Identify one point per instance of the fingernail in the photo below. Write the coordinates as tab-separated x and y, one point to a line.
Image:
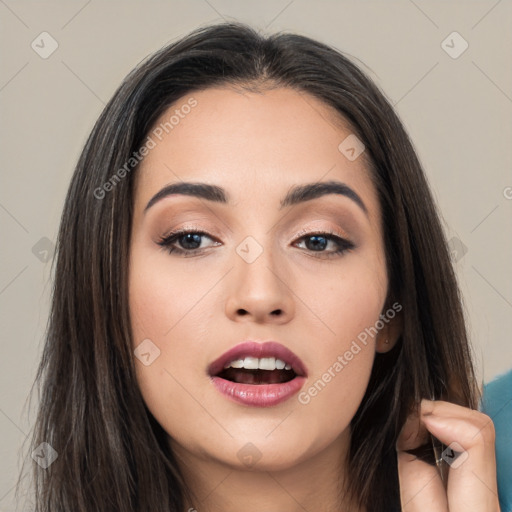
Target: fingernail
427	407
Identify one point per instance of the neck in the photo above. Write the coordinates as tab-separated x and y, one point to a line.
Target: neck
315	483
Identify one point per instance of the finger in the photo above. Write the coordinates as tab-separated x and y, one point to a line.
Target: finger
469	436
421	487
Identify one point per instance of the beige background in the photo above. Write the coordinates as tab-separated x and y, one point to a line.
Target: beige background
458	112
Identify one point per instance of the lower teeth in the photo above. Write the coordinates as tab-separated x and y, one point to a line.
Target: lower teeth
242	376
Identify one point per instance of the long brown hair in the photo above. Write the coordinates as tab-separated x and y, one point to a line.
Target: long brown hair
112	454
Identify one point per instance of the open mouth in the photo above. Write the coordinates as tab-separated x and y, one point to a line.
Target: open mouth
258	374
251	370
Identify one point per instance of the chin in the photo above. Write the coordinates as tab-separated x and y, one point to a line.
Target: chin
271	452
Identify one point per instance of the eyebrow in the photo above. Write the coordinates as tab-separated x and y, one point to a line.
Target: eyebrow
297	194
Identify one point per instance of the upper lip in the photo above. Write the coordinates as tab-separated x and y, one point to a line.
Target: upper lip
259	350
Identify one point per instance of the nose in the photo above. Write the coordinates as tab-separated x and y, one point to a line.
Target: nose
260	291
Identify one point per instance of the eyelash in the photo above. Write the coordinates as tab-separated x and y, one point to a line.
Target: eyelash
167	241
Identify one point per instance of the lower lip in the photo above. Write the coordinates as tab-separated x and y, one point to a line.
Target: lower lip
259	395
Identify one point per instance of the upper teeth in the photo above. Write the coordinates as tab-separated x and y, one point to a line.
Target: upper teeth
254	363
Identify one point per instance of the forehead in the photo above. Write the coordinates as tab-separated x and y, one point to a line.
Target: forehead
251	143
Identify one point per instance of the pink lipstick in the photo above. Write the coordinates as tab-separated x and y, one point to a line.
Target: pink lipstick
258	374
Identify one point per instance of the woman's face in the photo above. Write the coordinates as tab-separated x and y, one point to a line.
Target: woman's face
258	272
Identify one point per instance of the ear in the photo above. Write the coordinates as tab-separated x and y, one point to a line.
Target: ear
392	321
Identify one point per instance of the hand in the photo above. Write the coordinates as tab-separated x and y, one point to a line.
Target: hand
472	484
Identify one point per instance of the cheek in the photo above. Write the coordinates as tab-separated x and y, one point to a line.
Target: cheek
163	295
347	298
170	306
344	354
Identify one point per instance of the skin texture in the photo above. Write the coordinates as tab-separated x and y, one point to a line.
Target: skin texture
196	306
472	483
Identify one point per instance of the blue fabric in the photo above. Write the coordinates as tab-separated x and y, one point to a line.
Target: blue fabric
497	404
